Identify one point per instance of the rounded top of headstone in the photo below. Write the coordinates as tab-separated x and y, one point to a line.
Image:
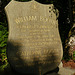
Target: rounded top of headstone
14	0
33	0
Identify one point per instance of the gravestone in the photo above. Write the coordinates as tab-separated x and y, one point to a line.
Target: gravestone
34	45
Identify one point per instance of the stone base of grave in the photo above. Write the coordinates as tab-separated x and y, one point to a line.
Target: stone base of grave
63	71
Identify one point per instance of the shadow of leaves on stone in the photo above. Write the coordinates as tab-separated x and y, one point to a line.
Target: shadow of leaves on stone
21	66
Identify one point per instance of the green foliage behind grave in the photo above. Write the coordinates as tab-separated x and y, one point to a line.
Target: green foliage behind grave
3	36
3	44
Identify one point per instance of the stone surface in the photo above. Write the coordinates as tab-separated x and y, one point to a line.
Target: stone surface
34	44
60	65
66	71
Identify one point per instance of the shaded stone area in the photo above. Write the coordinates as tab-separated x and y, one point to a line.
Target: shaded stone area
9	71
57	71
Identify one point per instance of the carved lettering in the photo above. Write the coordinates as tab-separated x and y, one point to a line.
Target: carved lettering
34	18
26	18
46	27
44	19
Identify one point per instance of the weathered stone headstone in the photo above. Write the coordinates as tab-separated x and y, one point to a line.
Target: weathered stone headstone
34	44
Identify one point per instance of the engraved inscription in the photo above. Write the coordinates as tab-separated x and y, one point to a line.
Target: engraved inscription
33	40
26	18
34	18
